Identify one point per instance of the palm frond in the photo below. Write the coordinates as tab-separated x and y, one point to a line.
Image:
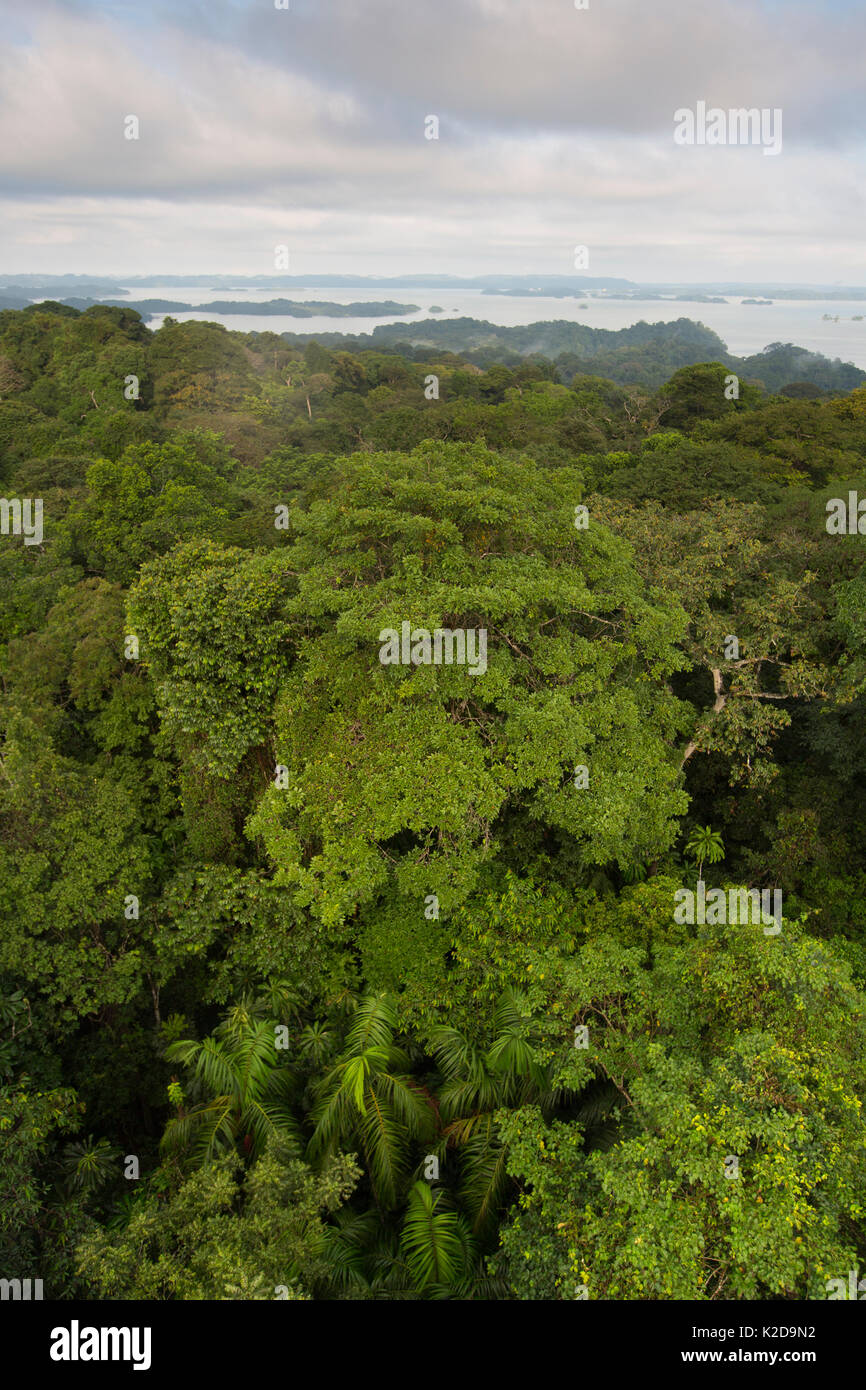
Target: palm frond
485	1182
411	1106
386	1144
455	1054
374	1024
433	1243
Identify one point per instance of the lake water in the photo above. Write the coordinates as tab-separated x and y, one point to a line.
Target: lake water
745	328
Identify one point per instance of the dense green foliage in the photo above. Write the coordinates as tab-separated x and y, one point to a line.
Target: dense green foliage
322	977
644	353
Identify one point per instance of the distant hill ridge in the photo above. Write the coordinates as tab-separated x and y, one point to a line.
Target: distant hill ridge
645	353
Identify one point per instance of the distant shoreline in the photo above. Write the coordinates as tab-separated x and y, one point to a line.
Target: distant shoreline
283	308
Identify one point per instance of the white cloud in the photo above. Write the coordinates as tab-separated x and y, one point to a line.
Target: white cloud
260	126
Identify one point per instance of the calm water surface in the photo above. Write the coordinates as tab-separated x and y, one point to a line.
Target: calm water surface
745	328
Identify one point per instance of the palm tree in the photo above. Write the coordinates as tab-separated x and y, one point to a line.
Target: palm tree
478	1083
436	1243
243	1084
88	1164
705	844
433	1255
315	1043
368	1097
634	873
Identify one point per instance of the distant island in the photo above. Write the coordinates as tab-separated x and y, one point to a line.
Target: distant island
524	292
757	301
645	296
288	308
41	286
577	292
645	353
641	296
435	309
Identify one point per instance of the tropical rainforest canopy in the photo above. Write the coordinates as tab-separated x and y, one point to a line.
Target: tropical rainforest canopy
324	978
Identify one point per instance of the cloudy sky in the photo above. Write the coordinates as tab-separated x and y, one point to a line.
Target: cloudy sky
306	127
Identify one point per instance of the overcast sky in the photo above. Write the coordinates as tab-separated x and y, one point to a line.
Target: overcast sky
305	127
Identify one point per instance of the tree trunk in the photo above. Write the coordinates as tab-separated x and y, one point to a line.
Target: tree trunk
718	706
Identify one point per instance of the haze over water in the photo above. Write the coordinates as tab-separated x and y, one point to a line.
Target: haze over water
744	328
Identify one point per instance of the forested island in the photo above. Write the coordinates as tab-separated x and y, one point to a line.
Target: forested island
577	292
291	308
329	977
645	353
